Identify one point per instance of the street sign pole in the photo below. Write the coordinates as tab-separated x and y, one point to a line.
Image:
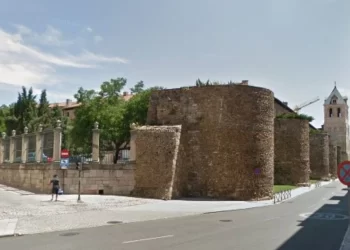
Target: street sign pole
79	199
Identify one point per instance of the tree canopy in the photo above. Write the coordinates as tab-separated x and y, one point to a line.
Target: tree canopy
106	106
111	111
27	112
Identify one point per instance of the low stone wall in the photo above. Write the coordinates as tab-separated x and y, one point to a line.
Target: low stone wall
333	160
156	153
319	156
292	158
95	179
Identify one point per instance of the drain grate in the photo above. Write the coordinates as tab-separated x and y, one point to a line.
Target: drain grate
114	222
69	234
226	220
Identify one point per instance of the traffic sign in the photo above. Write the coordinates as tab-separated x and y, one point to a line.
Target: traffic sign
64	153
344	172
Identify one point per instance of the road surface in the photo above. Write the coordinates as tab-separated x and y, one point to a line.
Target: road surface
287	226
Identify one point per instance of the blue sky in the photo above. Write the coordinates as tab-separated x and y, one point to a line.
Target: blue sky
297	48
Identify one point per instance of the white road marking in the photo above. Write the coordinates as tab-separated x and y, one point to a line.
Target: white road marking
147	239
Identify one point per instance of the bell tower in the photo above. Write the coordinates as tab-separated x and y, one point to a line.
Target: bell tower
336	121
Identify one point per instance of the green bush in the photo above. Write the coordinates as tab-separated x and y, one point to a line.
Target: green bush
295	116
315	131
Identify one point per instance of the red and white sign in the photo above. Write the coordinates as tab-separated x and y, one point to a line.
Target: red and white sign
64	153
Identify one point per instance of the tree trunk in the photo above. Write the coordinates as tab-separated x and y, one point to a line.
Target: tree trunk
117	150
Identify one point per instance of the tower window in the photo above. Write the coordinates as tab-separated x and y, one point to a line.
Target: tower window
330	112
334	101
339	113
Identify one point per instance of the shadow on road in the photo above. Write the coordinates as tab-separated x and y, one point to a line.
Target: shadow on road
323	229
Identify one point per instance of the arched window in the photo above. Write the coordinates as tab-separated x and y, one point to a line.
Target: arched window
338	112
330	112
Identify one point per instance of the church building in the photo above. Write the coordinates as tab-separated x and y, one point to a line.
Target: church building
336	121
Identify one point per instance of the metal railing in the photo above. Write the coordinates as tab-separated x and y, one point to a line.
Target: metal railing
318	184
282	195
31	147
47	145
18	149
108	157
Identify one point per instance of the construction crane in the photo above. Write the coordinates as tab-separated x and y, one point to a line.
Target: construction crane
305	104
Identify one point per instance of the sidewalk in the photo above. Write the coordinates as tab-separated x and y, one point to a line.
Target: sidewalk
37	214
7	227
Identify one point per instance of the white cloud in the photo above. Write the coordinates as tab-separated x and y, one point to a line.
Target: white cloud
22	64
88	29
98	39
50	36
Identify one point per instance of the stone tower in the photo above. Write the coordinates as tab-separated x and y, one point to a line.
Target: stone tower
336	121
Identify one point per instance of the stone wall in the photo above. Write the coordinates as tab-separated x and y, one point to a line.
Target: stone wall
319	156
292	158
156	153
333	160
216	159
338	155
95	179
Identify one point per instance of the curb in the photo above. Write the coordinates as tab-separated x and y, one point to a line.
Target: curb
10	235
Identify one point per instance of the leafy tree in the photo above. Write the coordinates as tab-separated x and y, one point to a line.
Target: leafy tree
44	106
4	112
22	112
27	112
139	87
84	95
113	114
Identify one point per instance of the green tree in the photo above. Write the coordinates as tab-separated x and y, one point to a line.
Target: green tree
4	112
139	87
113	114
22	112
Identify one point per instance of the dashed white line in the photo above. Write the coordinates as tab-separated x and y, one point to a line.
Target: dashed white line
147	239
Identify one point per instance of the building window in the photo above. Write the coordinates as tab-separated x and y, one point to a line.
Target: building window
330	112
334	101
67	114
339	113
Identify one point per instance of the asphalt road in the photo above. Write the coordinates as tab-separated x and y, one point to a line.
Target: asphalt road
279	227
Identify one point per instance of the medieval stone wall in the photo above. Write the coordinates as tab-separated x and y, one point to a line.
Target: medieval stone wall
226	147
338	155
319	156
292	158
333	160
156	153
95	179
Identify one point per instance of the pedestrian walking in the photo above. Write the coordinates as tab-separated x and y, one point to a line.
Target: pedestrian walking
55	182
